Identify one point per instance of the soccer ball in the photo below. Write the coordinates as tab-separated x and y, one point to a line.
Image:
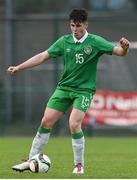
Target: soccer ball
40	163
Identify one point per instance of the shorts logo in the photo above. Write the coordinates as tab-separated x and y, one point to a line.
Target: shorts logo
88	50
85	102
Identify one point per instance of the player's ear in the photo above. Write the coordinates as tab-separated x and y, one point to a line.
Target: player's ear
86	24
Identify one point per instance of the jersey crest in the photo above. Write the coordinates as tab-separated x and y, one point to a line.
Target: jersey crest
88	50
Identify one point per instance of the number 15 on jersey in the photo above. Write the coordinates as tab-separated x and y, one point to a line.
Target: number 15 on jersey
79	58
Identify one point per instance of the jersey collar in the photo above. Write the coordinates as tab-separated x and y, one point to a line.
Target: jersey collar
82	39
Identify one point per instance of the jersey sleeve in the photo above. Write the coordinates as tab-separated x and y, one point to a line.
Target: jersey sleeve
56	49
106	47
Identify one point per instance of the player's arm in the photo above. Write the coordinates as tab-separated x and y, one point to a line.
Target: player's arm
34	61
123	47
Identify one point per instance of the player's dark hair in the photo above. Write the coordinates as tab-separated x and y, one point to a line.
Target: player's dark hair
78	15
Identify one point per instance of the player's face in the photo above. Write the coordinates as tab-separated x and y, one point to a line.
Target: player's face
78	28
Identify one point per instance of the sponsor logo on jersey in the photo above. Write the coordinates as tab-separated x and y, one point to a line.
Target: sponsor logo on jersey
68	50
88	50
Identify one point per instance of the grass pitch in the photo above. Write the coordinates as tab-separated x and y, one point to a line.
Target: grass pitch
105	158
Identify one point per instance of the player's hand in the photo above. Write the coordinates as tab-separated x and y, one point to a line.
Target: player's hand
124	43
12	69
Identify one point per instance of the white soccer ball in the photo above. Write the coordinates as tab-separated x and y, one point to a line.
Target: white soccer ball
40	163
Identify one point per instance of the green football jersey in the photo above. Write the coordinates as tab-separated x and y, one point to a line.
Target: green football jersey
80	60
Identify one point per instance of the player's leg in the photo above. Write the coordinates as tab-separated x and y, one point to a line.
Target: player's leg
57	105
80	105
78	141
42	136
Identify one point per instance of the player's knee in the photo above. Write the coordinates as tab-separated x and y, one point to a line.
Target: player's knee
75	127
46	122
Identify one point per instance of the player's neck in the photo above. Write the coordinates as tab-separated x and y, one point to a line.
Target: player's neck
82	38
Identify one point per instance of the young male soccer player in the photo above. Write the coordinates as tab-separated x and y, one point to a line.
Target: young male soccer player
80	51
